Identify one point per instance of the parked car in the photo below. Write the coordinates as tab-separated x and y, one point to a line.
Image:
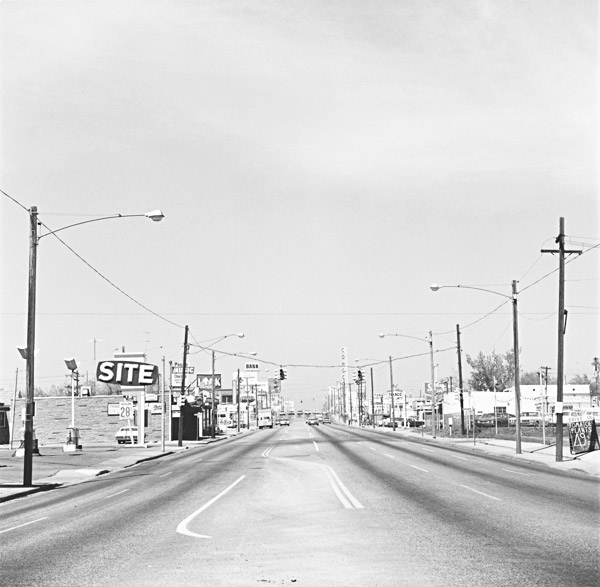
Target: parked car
488	420
312	421
527	419
126	433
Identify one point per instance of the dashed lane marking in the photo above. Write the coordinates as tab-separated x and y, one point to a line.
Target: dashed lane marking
481	493
23	525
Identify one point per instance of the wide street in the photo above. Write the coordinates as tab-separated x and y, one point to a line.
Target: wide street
313	506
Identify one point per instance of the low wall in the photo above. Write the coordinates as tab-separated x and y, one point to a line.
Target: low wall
96	426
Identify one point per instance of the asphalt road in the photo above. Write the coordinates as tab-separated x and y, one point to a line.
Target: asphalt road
311	506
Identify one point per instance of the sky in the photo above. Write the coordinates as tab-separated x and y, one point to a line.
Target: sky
319	165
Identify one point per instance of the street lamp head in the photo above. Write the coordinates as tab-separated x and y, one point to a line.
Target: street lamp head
240	335
155	215
71	364
22	351
381	335
435	287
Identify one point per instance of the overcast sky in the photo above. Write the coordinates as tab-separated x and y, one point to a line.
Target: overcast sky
319	164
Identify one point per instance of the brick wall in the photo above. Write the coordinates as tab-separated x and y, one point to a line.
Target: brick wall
53	417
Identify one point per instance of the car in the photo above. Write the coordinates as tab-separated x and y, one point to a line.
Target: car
326	420
300	413
312	421
527	419
284	421
490	419
126	434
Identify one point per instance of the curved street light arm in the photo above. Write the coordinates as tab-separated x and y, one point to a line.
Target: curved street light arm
155	215
436	287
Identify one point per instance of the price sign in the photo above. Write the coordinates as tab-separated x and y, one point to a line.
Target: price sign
125	410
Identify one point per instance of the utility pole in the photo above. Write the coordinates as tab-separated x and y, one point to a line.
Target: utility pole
560	239
392	392
596	365
185	351
517	368
28	443
460	381
238	401
372	400
213	414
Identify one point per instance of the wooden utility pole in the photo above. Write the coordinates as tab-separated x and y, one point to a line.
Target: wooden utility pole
392	392
560	239
460	381
185	350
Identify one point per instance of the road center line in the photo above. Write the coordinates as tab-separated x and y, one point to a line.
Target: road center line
182	526
461	458
419	468
115	494
480	493
165	474
22	525
340	490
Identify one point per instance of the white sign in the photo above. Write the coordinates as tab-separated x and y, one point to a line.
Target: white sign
252	367
126	411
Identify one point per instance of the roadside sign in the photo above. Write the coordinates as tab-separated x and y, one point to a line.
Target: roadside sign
127	373
125	410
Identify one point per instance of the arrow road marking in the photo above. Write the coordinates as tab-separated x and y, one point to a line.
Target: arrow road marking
182	526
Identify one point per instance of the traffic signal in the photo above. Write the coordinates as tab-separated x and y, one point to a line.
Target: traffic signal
360	375
282	374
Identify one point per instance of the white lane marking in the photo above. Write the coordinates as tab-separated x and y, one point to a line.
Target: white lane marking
419	468
182	526
370	447
461	458
22	525
165	474
197	461
387	455
266	452
517	472
340	490
316	447
428	449
115	494
480	492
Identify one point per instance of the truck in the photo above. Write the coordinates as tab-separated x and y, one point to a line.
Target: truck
265	419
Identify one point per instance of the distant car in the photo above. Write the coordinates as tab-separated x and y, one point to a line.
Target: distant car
283	421
126	433
326	420
312	421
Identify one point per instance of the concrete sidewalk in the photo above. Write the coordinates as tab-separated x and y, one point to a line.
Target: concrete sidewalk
52	467
531	452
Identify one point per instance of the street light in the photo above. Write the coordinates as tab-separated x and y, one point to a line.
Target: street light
34	239
513	297
73	438
432	369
